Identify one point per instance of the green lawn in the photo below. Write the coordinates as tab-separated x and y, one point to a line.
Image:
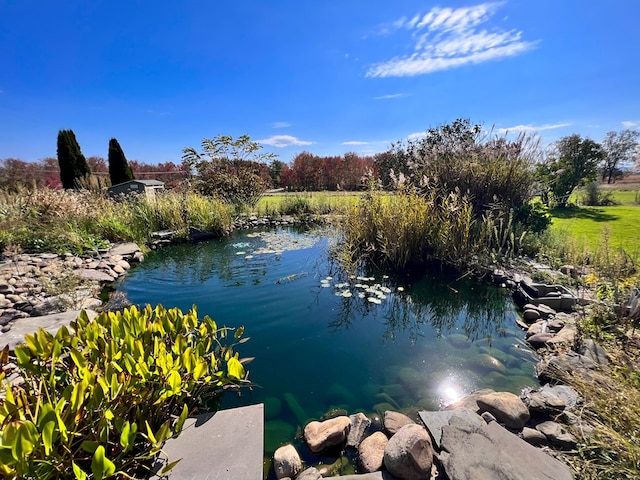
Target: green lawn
591	224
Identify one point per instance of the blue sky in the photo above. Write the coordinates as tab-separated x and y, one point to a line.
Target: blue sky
324	76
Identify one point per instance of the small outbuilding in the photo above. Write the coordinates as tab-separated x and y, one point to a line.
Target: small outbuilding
146	187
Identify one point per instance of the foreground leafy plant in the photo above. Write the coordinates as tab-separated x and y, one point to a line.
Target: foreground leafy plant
104	400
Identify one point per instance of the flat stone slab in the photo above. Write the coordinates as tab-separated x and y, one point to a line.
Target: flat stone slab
434	421
492	452
225	445
124	249
51	323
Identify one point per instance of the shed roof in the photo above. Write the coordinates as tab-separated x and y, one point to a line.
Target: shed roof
148	183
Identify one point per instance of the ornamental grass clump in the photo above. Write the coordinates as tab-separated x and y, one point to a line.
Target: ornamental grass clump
102	401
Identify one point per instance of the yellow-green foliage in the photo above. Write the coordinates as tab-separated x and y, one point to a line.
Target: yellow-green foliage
407	229
103	400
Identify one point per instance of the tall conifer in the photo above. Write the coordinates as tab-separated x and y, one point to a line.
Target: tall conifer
119	169
73	165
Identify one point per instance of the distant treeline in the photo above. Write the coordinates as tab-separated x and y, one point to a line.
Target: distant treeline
16	173
307	172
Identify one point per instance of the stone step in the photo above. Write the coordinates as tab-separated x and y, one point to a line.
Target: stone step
227	444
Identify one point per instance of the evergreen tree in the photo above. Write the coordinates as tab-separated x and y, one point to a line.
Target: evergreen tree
119	169
73	165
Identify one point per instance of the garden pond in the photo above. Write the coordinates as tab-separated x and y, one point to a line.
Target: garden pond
323	339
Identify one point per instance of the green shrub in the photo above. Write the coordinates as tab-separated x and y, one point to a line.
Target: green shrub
534	216
103	401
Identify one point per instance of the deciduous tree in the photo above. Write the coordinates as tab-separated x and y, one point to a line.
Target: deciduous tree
618	148
573	162
233	170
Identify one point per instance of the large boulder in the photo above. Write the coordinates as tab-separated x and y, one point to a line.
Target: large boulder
506	407
286	462
371	451
469	402
322	435
408	454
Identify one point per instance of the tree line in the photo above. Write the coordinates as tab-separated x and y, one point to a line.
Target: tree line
236	170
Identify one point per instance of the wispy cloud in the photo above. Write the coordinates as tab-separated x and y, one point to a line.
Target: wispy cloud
532	128
355	142
280	125
283	141
391	96
447	38
630	124
416	135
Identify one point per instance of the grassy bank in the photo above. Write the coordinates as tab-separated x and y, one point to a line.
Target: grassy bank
292	203
58	221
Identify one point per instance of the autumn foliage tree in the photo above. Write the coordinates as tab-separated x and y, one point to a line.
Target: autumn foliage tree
73	165
119	169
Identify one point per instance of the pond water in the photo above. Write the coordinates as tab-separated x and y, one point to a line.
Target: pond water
324	340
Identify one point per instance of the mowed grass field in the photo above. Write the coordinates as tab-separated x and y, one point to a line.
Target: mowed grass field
619	224
585	225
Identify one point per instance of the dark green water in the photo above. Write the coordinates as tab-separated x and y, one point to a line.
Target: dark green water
425	346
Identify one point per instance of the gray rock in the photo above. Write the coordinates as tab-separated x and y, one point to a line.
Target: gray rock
530	315
541	326
491	452
566	336
470	401
310	473
506	407
359	425
51	323
394	421
594	352
534	437
434	421
286	462
96	275
371	451
539	340
126	250
557	435
550	368
486	363
408	454
322	435
550	399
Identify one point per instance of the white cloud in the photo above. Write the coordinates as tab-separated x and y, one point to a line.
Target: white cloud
355	142
391	96
416	135
630	124
448	38
283	141
532	128
280	125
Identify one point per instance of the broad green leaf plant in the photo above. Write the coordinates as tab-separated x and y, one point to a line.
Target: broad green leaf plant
101	401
